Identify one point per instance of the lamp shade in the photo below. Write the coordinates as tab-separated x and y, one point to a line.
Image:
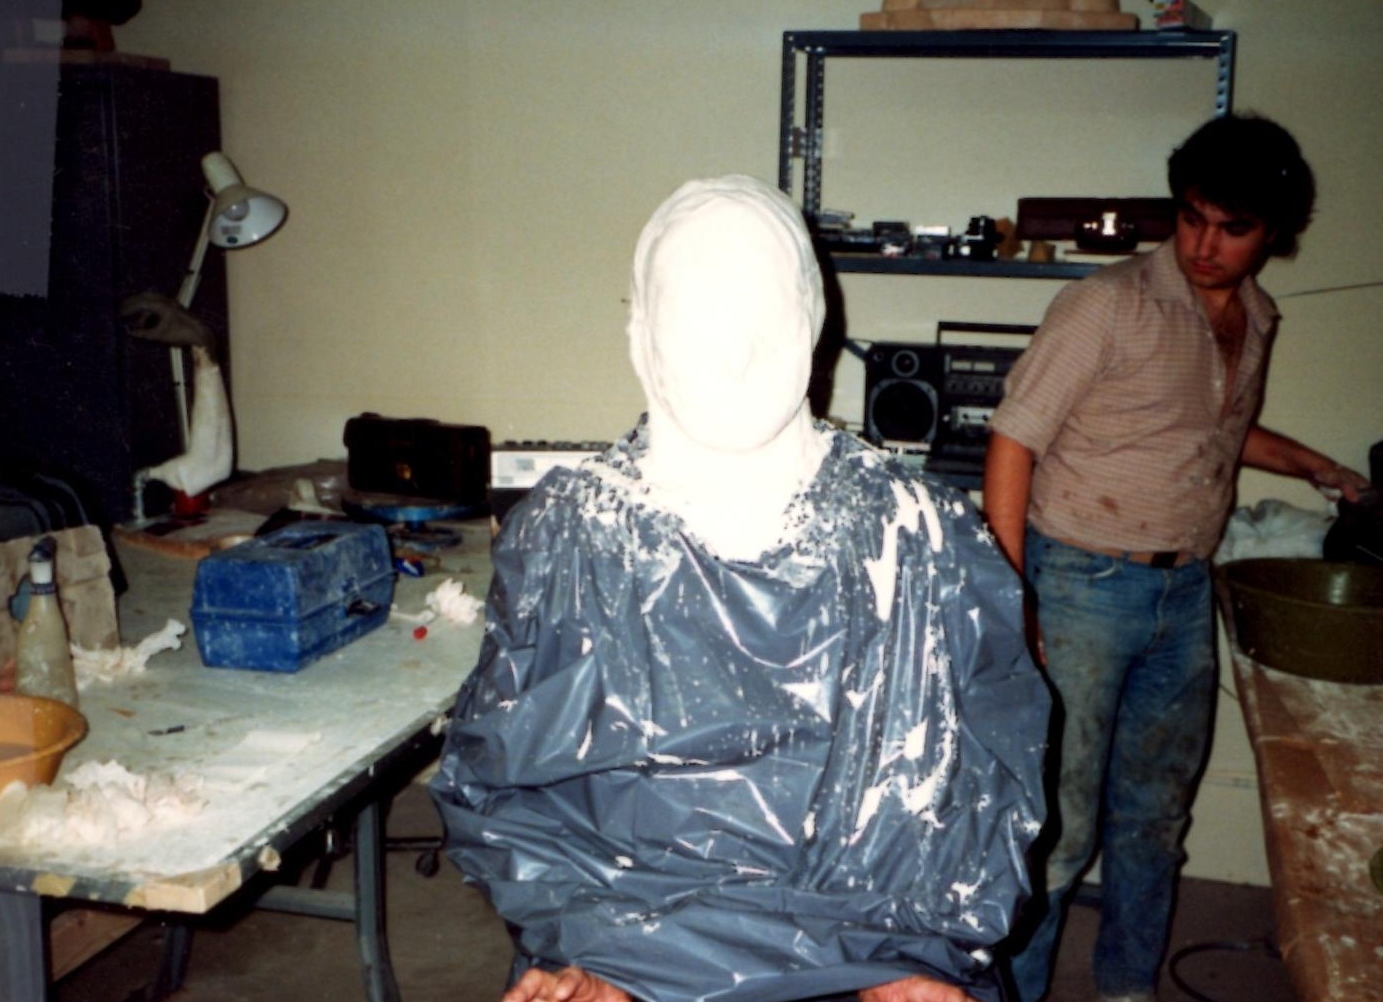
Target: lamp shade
240	215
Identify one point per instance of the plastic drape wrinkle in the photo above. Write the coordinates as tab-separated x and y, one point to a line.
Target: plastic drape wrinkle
735	781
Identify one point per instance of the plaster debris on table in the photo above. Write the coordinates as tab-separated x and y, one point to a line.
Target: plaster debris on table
107	666
250	761
97	804
449	601
276	743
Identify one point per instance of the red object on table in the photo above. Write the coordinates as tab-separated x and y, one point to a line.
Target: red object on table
189	505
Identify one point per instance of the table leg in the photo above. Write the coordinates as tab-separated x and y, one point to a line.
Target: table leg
172	968
23	957
378	969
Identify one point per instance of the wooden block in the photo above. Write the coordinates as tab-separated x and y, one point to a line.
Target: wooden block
78	934
1084	6
1054	20
221	527
964	19
911	20
190	892
192	549
935	5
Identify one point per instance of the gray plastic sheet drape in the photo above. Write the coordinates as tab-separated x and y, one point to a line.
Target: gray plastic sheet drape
750	781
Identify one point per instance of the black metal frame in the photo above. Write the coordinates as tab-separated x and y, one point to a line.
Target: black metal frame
818	46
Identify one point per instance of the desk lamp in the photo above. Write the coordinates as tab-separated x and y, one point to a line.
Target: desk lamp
237	216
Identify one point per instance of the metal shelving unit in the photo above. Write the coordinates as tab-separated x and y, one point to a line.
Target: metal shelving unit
804	141
878	264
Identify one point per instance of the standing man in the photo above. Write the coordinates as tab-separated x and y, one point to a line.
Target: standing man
1109	478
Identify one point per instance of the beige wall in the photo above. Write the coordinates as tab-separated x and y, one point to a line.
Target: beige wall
467	179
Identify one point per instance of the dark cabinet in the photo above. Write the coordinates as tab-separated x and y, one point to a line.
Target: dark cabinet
78	396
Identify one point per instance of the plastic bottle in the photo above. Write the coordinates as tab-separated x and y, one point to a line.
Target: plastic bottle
43	658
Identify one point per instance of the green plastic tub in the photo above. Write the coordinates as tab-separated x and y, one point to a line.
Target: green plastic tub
1318	618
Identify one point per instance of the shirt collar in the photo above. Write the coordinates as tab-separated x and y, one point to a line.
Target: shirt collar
1166	282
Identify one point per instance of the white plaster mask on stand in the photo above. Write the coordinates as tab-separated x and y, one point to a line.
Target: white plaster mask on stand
726	306
210	449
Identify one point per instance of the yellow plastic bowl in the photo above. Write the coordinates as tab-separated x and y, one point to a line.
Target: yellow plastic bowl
34	736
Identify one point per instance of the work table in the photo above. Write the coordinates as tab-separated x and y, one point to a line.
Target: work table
272	755
1319	750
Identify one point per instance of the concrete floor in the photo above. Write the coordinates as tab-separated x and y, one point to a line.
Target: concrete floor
447	945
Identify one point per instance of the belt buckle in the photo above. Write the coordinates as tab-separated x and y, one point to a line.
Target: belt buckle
1164	559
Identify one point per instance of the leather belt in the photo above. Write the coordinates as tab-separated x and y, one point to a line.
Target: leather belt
1161	559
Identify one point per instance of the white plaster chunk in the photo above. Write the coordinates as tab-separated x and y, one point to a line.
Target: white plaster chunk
97	804
108	666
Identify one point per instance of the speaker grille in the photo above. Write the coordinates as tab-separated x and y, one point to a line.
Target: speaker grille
901	403
903	410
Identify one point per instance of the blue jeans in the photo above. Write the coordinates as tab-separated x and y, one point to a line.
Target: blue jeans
1131	653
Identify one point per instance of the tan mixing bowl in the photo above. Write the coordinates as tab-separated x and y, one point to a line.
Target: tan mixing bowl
34	736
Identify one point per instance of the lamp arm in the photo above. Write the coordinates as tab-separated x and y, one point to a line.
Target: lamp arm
186	291
190	281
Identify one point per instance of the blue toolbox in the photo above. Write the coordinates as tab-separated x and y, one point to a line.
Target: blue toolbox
284	599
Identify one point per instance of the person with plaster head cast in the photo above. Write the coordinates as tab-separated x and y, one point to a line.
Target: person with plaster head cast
754	717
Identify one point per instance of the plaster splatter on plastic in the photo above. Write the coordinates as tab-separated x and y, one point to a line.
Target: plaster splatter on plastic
844	730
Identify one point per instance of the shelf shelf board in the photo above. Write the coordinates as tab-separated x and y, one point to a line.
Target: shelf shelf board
877	264
1014	43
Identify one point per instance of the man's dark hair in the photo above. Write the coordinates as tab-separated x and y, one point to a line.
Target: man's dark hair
1250	166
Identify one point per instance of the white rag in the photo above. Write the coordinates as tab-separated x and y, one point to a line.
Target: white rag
106	666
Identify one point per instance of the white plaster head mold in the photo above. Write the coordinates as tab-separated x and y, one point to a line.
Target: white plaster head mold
725	307
726	304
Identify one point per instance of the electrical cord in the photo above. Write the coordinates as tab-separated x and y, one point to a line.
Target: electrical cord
1088	895
1266	947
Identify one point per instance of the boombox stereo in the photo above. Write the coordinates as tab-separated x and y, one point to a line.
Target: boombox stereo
937	398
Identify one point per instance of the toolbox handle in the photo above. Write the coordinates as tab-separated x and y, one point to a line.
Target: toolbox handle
309	541
362	607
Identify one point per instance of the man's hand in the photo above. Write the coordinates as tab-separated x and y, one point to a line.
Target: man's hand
914	989
571	984
1267	450
1347	482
